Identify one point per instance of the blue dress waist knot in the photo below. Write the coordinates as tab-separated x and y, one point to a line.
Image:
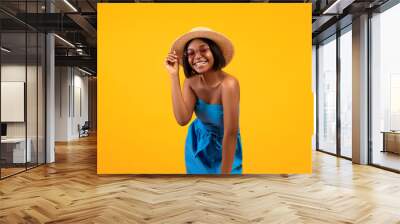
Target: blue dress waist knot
203	148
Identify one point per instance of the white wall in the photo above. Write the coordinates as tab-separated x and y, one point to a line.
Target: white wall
71	93
62	81
16	72
80	89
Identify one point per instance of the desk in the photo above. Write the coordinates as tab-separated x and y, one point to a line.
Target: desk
391	141
15	148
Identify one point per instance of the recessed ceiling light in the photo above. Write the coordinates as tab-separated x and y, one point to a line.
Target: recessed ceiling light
337	7
70	5
5	50
64	40
84	71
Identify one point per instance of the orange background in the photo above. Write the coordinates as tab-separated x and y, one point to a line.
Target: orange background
137	132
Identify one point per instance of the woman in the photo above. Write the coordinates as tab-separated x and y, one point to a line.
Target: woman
213	143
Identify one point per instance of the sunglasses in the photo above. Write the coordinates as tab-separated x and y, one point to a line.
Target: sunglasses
192	53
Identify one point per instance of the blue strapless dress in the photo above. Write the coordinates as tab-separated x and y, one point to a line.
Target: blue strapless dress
203	148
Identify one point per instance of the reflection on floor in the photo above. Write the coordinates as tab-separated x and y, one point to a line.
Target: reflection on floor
11	169
387	159
70	191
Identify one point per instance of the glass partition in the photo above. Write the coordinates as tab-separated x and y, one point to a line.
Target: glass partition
22	77
14	145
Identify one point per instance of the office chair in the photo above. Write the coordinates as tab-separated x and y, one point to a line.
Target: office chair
84	130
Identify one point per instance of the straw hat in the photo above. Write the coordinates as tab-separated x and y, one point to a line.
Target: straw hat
203	32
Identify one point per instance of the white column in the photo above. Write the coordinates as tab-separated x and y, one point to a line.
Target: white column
50	92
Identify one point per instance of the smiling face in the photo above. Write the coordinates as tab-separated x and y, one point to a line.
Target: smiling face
200	56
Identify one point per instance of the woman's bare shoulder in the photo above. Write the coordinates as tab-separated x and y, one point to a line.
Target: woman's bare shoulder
230	82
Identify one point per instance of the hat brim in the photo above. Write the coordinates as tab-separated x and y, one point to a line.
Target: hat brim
222	41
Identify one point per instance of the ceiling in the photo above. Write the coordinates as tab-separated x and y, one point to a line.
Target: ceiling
76	22
72	20
329	16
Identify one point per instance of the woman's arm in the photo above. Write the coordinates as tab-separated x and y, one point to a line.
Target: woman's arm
182	102
230	103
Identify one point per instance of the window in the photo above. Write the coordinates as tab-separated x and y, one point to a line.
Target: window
385	88
346	93
327	95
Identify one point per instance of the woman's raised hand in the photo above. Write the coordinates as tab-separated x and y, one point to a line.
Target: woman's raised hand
172	63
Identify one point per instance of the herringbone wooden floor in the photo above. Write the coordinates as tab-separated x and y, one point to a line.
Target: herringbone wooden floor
70	191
